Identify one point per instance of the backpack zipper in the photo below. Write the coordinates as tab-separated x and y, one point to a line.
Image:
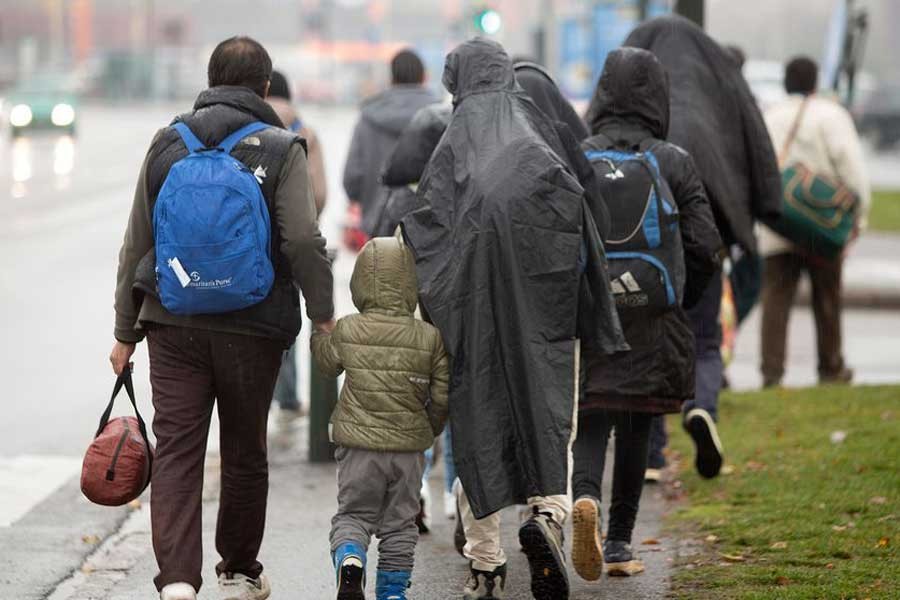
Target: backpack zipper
111	471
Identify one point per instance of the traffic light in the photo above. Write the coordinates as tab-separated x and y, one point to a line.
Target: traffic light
488	21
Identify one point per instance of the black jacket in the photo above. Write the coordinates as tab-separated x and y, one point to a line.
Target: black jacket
497	246
630	106
716	119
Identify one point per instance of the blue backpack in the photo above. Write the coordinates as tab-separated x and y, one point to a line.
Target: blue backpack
646	259
212	230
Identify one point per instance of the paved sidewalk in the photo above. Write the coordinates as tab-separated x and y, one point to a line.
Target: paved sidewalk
295	551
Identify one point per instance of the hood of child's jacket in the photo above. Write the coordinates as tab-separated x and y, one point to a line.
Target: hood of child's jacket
634	86
384	278
392	109
478	66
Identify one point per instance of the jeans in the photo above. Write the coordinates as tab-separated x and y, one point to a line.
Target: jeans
449	467
704	319
192	371
632	440
286	385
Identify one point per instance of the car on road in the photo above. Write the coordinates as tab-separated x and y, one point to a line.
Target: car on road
47	103
878	117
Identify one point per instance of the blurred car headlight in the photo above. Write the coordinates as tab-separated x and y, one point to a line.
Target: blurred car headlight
62	115
20	115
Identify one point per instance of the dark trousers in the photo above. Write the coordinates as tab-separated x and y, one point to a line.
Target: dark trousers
632	436
190	371
704	319
782	273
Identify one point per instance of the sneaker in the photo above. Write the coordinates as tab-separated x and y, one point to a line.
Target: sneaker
541	538
449	506
485	585
237	586
392	585
652	475
288	419
620	559
701	427
350	571
423	519
178	591
842	377
587	547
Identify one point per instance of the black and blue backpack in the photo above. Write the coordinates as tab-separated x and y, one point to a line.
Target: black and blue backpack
644	250
212	230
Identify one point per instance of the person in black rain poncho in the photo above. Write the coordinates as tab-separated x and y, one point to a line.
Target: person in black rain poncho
501	247
630	118
716	119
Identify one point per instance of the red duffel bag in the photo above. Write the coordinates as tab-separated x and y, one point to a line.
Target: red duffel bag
117	464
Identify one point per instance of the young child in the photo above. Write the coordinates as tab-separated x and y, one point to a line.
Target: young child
663	248
392	406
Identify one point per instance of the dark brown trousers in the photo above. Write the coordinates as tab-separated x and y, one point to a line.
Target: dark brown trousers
190	371
782	273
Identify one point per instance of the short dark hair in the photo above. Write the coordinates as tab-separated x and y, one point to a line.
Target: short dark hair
406	68
801	76
240	61
279	88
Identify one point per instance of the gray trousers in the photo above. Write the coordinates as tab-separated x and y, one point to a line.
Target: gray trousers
378	494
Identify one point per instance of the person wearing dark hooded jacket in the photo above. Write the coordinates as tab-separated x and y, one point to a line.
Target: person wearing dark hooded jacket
715	118
383	118
498	246
630	112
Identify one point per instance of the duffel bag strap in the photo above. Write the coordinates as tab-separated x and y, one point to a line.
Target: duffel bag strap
124	380
792	134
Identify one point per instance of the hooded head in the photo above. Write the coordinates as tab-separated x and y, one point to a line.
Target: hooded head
384	278
542	89
477	66
634	87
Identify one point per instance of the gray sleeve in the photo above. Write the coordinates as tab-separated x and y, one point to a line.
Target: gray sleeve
301	241
354	173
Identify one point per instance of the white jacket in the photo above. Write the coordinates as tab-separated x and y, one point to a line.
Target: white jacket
827	143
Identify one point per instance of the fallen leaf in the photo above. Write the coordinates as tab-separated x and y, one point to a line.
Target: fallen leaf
90	539
782	580
135	504
890	517
650	542
877	500
829	566
779	546
837	437
712	539
733	557
887	415
87	568
883	542
754	466
727	470
839	528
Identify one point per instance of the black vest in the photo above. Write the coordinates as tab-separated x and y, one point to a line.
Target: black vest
218	112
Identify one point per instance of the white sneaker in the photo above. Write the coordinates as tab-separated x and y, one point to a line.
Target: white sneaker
178	591
449	505
237	586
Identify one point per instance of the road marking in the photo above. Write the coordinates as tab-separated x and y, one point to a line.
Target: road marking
27	480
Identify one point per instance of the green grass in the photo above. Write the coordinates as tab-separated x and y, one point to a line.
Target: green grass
885	215
798	516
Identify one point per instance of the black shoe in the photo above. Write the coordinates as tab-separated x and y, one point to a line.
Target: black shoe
702	429
459	534
842	377
542	542
351	580
423	521
620	559
485	585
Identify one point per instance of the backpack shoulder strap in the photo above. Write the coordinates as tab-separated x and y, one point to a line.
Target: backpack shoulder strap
228	144
187	136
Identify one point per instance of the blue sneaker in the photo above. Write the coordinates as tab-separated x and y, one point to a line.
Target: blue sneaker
350	571
391	585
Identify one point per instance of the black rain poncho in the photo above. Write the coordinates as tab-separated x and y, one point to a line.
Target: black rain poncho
715	118
497	246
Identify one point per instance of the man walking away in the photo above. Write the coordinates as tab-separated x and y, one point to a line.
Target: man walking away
382	120
826	141
279	99
208	344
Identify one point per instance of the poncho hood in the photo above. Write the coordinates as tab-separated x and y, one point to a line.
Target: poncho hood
476	67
